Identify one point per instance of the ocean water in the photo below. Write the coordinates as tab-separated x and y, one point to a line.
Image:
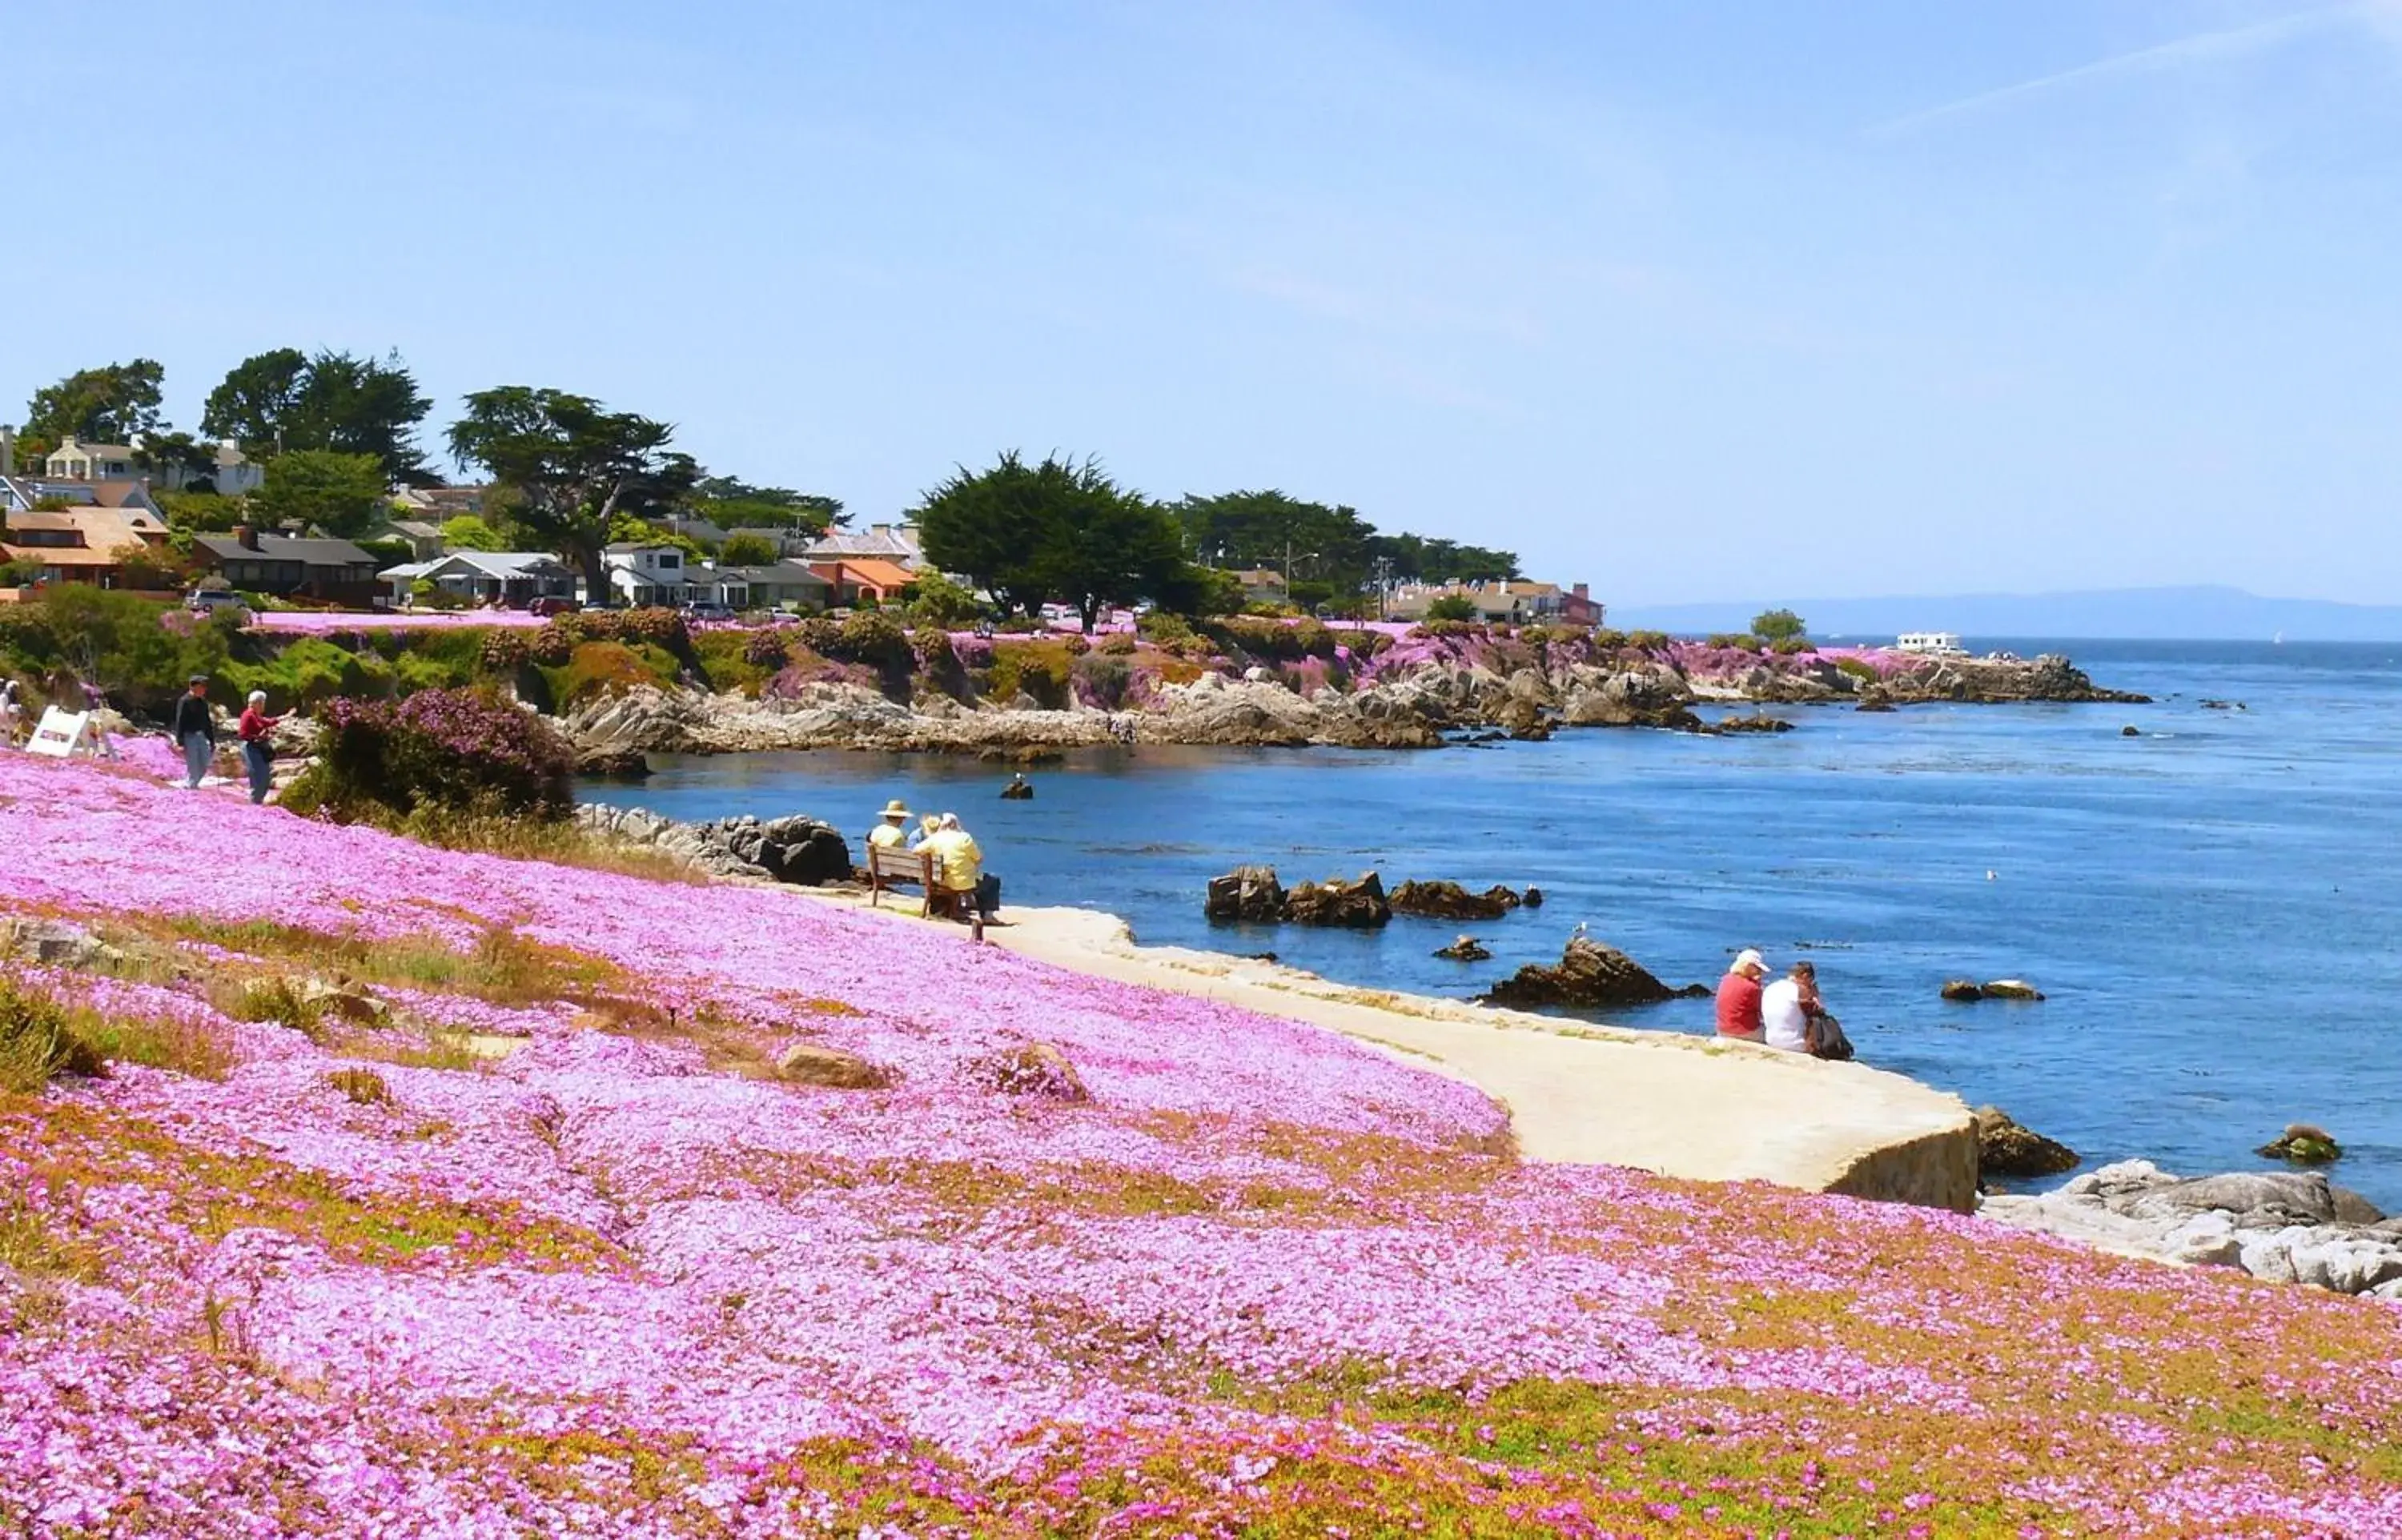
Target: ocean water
2211	907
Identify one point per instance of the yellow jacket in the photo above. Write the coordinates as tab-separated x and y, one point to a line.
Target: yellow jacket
957	859
885	834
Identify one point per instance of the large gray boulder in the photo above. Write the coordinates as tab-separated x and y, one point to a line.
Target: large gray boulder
2280	1226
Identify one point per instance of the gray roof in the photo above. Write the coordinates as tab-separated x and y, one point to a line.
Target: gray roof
788	573
499	564
309	552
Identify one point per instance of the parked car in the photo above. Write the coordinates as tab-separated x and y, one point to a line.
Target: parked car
708	609
552	605
208	601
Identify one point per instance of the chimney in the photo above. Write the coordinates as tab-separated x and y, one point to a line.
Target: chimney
246	537
7	450
1582	591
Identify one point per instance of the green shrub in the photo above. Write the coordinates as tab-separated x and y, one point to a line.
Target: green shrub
1858	669
608	667
1608	640
1790	646
38	1039
1647	641
1100	680
1452	607
1119	645
454	751
939	602
1162	627
1741	641
1040	670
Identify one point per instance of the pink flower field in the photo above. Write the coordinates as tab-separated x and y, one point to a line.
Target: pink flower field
322	623
432	1195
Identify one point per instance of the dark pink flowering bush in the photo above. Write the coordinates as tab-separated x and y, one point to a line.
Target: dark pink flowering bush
464	751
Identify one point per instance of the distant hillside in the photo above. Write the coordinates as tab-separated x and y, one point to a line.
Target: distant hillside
2168	614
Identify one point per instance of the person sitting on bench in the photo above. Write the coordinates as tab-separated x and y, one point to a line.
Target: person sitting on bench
959	864
891	829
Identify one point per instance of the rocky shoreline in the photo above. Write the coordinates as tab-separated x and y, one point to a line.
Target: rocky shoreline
1455	694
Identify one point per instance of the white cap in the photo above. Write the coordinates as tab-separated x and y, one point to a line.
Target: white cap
1747	958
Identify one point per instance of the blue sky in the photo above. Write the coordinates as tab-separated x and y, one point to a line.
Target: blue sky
1691	301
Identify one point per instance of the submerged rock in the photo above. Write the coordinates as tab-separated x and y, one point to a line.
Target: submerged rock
1968	991
613	763
1757	722
2006	1147
2304	1144
1466	949
1587	974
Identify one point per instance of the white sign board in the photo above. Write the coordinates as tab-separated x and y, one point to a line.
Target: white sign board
59	733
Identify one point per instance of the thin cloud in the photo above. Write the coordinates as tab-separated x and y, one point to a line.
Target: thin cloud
2208	47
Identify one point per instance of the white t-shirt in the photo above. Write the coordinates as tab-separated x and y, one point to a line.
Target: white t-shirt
1781	1014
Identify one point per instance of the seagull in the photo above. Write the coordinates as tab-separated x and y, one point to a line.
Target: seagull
1991	874
1579	929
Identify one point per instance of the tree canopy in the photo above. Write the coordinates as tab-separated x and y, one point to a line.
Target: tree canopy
467	533
1319	545
747	550
731	504
282	400
341	494
109	404
576	466
1060	530
1774	626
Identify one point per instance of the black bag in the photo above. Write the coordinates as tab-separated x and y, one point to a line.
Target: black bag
1832	1044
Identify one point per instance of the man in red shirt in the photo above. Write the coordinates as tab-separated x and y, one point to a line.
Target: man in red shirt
1739	997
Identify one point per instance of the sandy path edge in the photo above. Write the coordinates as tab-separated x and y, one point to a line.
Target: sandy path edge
1656	1101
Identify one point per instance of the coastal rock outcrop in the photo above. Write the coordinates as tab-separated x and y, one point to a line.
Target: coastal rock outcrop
795	850
2286	1227
1466	949
612	762
1444	900
1968	991
2304	1144
2007	1147
1588	974
1359	904
1247	894
58	944
1758	722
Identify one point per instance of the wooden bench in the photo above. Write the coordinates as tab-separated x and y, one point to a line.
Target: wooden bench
891	864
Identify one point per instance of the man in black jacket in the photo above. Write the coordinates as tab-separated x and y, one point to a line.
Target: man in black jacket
196	730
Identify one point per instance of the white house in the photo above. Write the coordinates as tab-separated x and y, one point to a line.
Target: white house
1942	644
75	461
500	577
645	575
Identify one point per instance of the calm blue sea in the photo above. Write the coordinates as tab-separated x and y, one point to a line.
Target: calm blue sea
2211	906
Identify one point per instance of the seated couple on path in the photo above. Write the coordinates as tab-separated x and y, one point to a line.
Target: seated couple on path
959	861
1786	1014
